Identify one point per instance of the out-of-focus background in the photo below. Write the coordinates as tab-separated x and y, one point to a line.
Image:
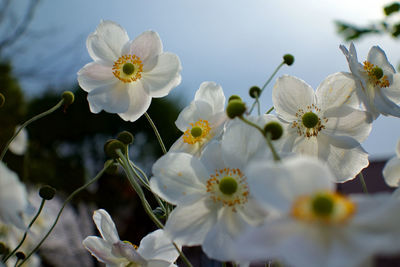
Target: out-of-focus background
237	44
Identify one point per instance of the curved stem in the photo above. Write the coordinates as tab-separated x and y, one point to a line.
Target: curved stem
26	231
160	141
62	208
363	184
269	110
41	115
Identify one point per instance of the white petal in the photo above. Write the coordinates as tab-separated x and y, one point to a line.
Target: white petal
94	75
337	89
189	224
180	146
20	143
378	57
211	157
306	146
197	110
139	102
291	94
127	251
112	98
393	92
147	46
179	178
106	226
100	249
213	94
157	245
105	44
385	105
164	77
347	121
391	172
159	263
398	149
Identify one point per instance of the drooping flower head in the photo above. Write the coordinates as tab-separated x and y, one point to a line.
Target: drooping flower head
325	124
155	249
378	84
125	74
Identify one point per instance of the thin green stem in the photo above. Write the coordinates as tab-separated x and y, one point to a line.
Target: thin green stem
266	136
41	115
26	231
160	141
363	184
269	110
62	208
267	82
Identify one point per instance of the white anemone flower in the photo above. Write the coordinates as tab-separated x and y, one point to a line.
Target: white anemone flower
213	201
378	85
202	120
155	249
317	226
391	171
325	124
20	143
125	74
13	197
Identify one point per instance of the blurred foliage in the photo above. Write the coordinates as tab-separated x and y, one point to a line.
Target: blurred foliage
390	24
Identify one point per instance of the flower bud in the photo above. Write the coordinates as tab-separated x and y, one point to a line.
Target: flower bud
68	97
233	97
275	129
20	255
125	137
47	192
288	59
111	146
2	100
3	248
255	92
235	108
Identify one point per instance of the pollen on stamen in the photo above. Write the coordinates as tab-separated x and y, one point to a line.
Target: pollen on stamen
382	81
136	67
205	129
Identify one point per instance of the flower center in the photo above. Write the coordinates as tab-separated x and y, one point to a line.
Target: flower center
376	75
308	123
128	68
228	187
323	207
197	132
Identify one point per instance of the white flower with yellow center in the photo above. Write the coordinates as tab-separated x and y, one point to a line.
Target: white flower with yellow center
317	226
125	74
391	171
325	124
378	85
202	120
214	203
155	249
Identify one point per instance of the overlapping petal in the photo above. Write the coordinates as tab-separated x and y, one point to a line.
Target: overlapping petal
139	102
115	100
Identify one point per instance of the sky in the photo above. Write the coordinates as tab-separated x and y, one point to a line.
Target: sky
235	43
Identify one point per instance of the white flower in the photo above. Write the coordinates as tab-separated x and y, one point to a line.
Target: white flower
325	124
155	249
13	197
391	171
318	227
378	85
214	203
125	74
202	120
20	143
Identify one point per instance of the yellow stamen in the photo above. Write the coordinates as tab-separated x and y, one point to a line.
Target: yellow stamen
382	82
205	129
132	71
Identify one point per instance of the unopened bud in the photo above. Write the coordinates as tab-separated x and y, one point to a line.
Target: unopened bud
2	100
111	147
274	129
20	255
235	108
125	137
288	59
234	97
255	92
3	248
47	192
68	97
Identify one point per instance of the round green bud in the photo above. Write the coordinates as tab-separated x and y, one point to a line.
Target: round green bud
196	131
128	68
68	97
322	205
2	100
288	59
233	97
377	72
310	119
160	214
3	248
125	137
274	128
235	108
113	168
47	192
111	147
20	255
228	185
255	91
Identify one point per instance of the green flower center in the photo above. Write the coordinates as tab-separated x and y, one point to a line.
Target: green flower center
196	131
128	68
377	72
310	119
322	205
228	185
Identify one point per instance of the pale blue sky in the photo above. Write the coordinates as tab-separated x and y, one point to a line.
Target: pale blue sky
236	43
